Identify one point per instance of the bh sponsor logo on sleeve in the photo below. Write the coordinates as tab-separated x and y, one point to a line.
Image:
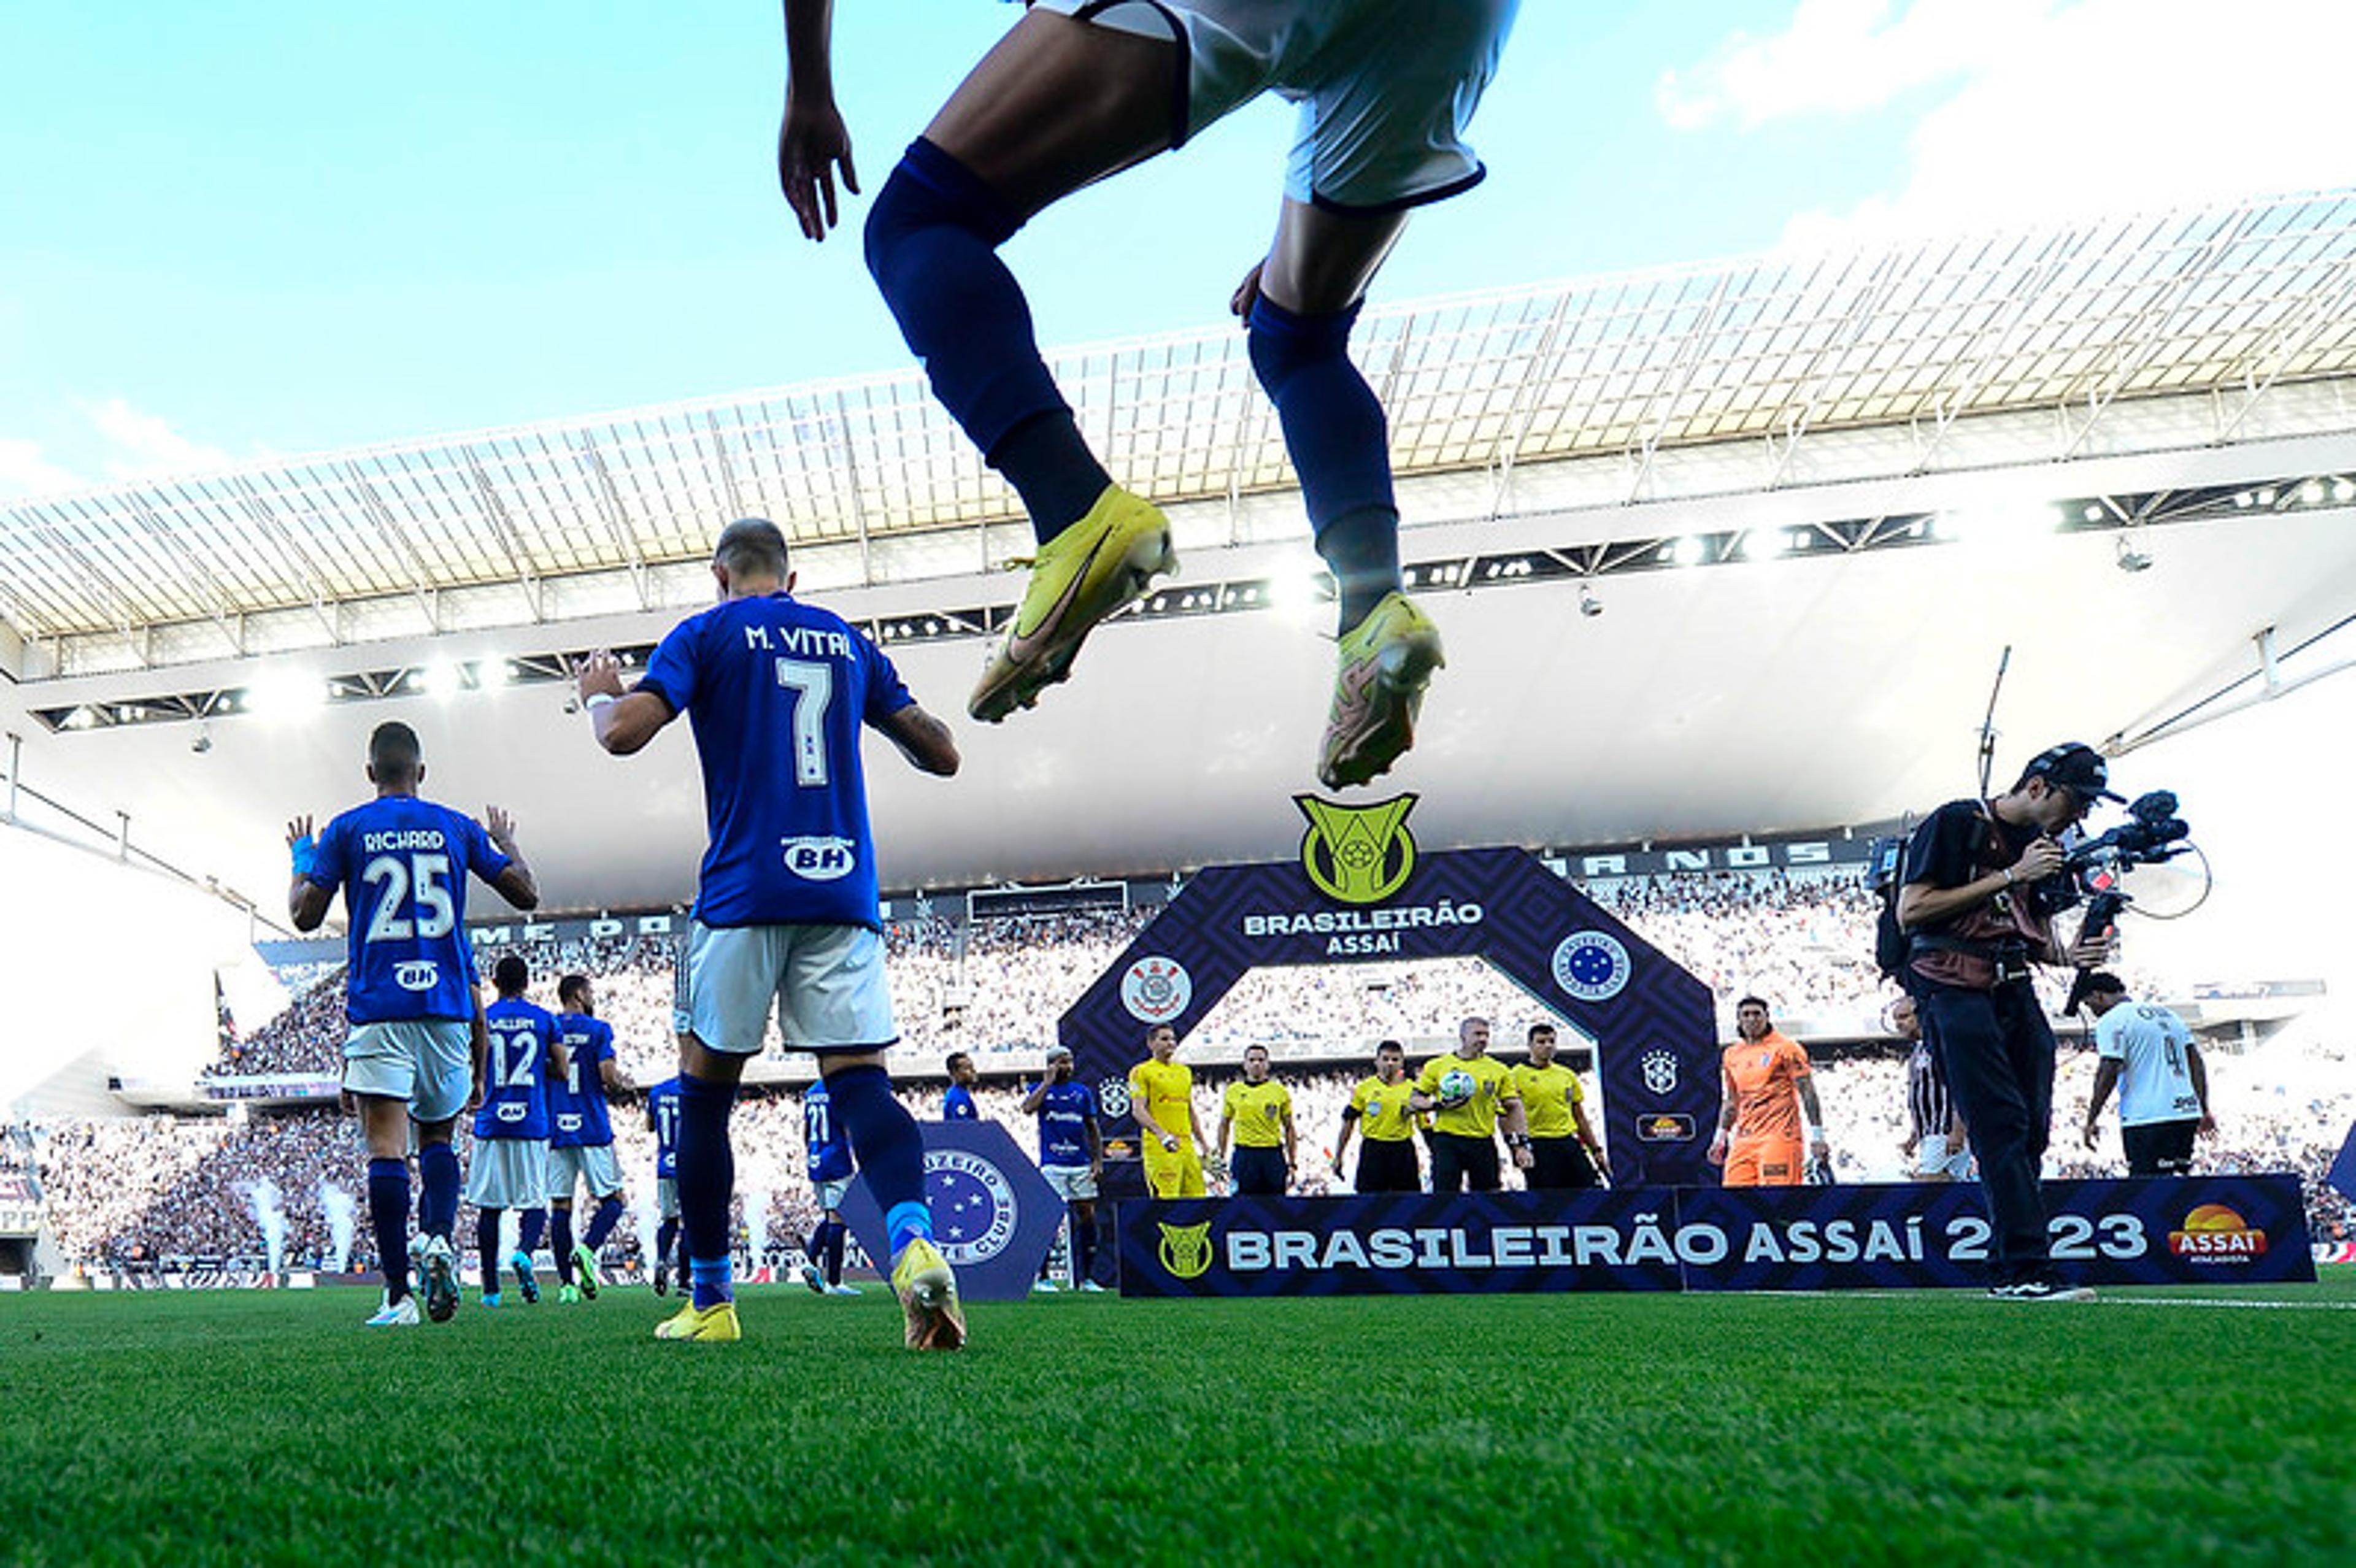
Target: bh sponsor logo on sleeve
1360	854
1591	965
1156	989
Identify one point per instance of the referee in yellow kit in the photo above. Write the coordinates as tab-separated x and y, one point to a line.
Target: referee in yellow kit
1386	1159
1472	1094
1563	1148
1258	1110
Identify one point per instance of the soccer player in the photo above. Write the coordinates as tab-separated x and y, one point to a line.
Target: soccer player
511	1168
662	1120
956	1100
581	1136
1464	1123
1161	1098
415	1052
2148	1056
1081	88
1764	1082
1935	1132
1071	1157
830	1171
1257	1111
1564	1150
1387	1160
786	915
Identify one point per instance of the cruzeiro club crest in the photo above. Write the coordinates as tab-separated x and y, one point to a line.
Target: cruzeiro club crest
1358	854
1186	1249
973	1205
1591	965
1660	1072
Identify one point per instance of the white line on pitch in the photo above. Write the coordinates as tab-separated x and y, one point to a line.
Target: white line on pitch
2217	1301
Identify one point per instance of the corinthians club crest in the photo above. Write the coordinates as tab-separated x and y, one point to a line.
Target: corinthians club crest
1358	854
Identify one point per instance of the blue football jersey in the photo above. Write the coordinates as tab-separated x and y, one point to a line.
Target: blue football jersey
516	1072
402	864
662	1110
777	692
1064	1117
576	1101
956	1105
829	1155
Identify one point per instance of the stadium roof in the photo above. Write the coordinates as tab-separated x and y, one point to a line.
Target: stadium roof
2228	301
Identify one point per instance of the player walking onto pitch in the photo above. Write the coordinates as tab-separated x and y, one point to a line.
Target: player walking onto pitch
662	1120
956	1101
510	1170
1256	1112
581	1136
1161	1098
1071	1157
1078	90
785	914
415	1052
2148	1056
830	1171
1764	1084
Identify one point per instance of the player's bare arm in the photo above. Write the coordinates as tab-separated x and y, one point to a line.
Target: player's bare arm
1919	904
2107	1078
306	900
812	140
1726	1100
516	884
623	722
922	738
2199	1071
479	1049
1292	1143
1815	1113
616	1082
1227	1125
1516	1120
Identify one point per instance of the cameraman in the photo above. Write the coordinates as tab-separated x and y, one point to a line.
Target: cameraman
1976	919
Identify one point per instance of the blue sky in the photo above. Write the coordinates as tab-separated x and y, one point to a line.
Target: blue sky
240	229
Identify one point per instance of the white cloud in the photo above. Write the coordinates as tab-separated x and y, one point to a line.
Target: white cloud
2050	109
140	443
24	471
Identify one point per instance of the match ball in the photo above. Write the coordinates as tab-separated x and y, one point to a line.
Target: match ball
1456	1087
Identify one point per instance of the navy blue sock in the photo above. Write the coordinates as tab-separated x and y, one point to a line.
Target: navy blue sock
437	1172
932	244
665	1235
835	1231
1052	469
529	1229
1339	441
707	1175
388	1184
888	1147
486	1242
602	1224
1084	1249
560	1242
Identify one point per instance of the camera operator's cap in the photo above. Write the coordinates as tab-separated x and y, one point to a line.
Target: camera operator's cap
2076	767
1059	1053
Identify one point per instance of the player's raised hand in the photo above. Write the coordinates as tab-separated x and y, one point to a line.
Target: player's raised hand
811	142
297	830
499	824
598	675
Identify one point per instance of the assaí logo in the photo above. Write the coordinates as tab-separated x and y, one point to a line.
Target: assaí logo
2213	1233
1358	854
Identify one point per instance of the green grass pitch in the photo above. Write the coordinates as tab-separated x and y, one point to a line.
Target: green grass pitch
248	1428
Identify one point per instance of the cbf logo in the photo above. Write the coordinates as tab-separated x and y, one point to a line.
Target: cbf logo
1156	989
1360	855
973	1204
822	859
1591	965
1660	1072
1112	1097
1185	1250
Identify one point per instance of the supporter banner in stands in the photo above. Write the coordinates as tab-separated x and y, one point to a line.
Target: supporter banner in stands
993	1214
1360	892
2199	1230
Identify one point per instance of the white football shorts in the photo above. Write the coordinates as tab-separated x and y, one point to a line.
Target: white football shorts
508	1173
429	1062
830	1194
1071	1182
825	982
591	1163
1386	87
667	1197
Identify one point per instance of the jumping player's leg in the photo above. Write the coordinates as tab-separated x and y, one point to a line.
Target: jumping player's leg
1058	103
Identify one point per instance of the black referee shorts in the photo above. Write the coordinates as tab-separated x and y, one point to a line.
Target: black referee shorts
1389	1167
1459	1162
2159	1149
1259	1172
1557	1163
